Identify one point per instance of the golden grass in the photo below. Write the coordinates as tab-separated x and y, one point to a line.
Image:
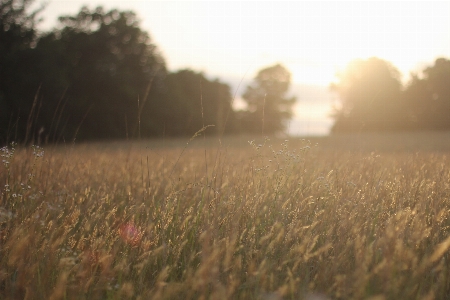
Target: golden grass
270	219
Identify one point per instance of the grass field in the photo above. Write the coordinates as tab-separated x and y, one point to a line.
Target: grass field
344	217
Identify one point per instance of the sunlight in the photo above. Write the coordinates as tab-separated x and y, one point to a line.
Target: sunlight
312	39
232	41
324	37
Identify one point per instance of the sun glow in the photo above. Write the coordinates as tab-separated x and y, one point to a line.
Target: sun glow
233	40
312	39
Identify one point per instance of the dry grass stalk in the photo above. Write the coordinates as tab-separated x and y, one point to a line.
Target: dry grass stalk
266	222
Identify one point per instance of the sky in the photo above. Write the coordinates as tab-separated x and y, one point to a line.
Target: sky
232	40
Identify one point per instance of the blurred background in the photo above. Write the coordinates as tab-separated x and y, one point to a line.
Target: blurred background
128	69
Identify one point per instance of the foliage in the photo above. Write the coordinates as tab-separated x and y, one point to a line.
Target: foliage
372	98
369	93
17	25
264	221
99	76
268	107
17	37
94	77
427	98
192	101
106	70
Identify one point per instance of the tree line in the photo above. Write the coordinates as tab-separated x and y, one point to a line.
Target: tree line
100	76
372	98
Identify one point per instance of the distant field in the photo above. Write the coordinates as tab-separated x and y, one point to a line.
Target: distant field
386	142
341	217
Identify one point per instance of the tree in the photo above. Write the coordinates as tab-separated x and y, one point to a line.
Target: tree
107	73
193	101
99	76
427	98
268	108
369	93
17	37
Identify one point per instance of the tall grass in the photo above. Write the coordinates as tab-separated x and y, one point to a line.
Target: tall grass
271	220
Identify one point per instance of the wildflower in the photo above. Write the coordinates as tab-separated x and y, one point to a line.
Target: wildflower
37	151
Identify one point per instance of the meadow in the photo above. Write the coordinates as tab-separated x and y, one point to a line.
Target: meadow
341	217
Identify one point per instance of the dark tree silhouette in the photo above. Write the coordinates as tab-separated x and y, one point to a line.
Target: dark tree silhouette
193	101
99	74
369	93
268	107
427	98
17	37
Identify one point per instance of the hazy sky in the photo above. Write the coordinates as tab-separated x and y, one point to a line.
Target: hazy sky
234	39
312	39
